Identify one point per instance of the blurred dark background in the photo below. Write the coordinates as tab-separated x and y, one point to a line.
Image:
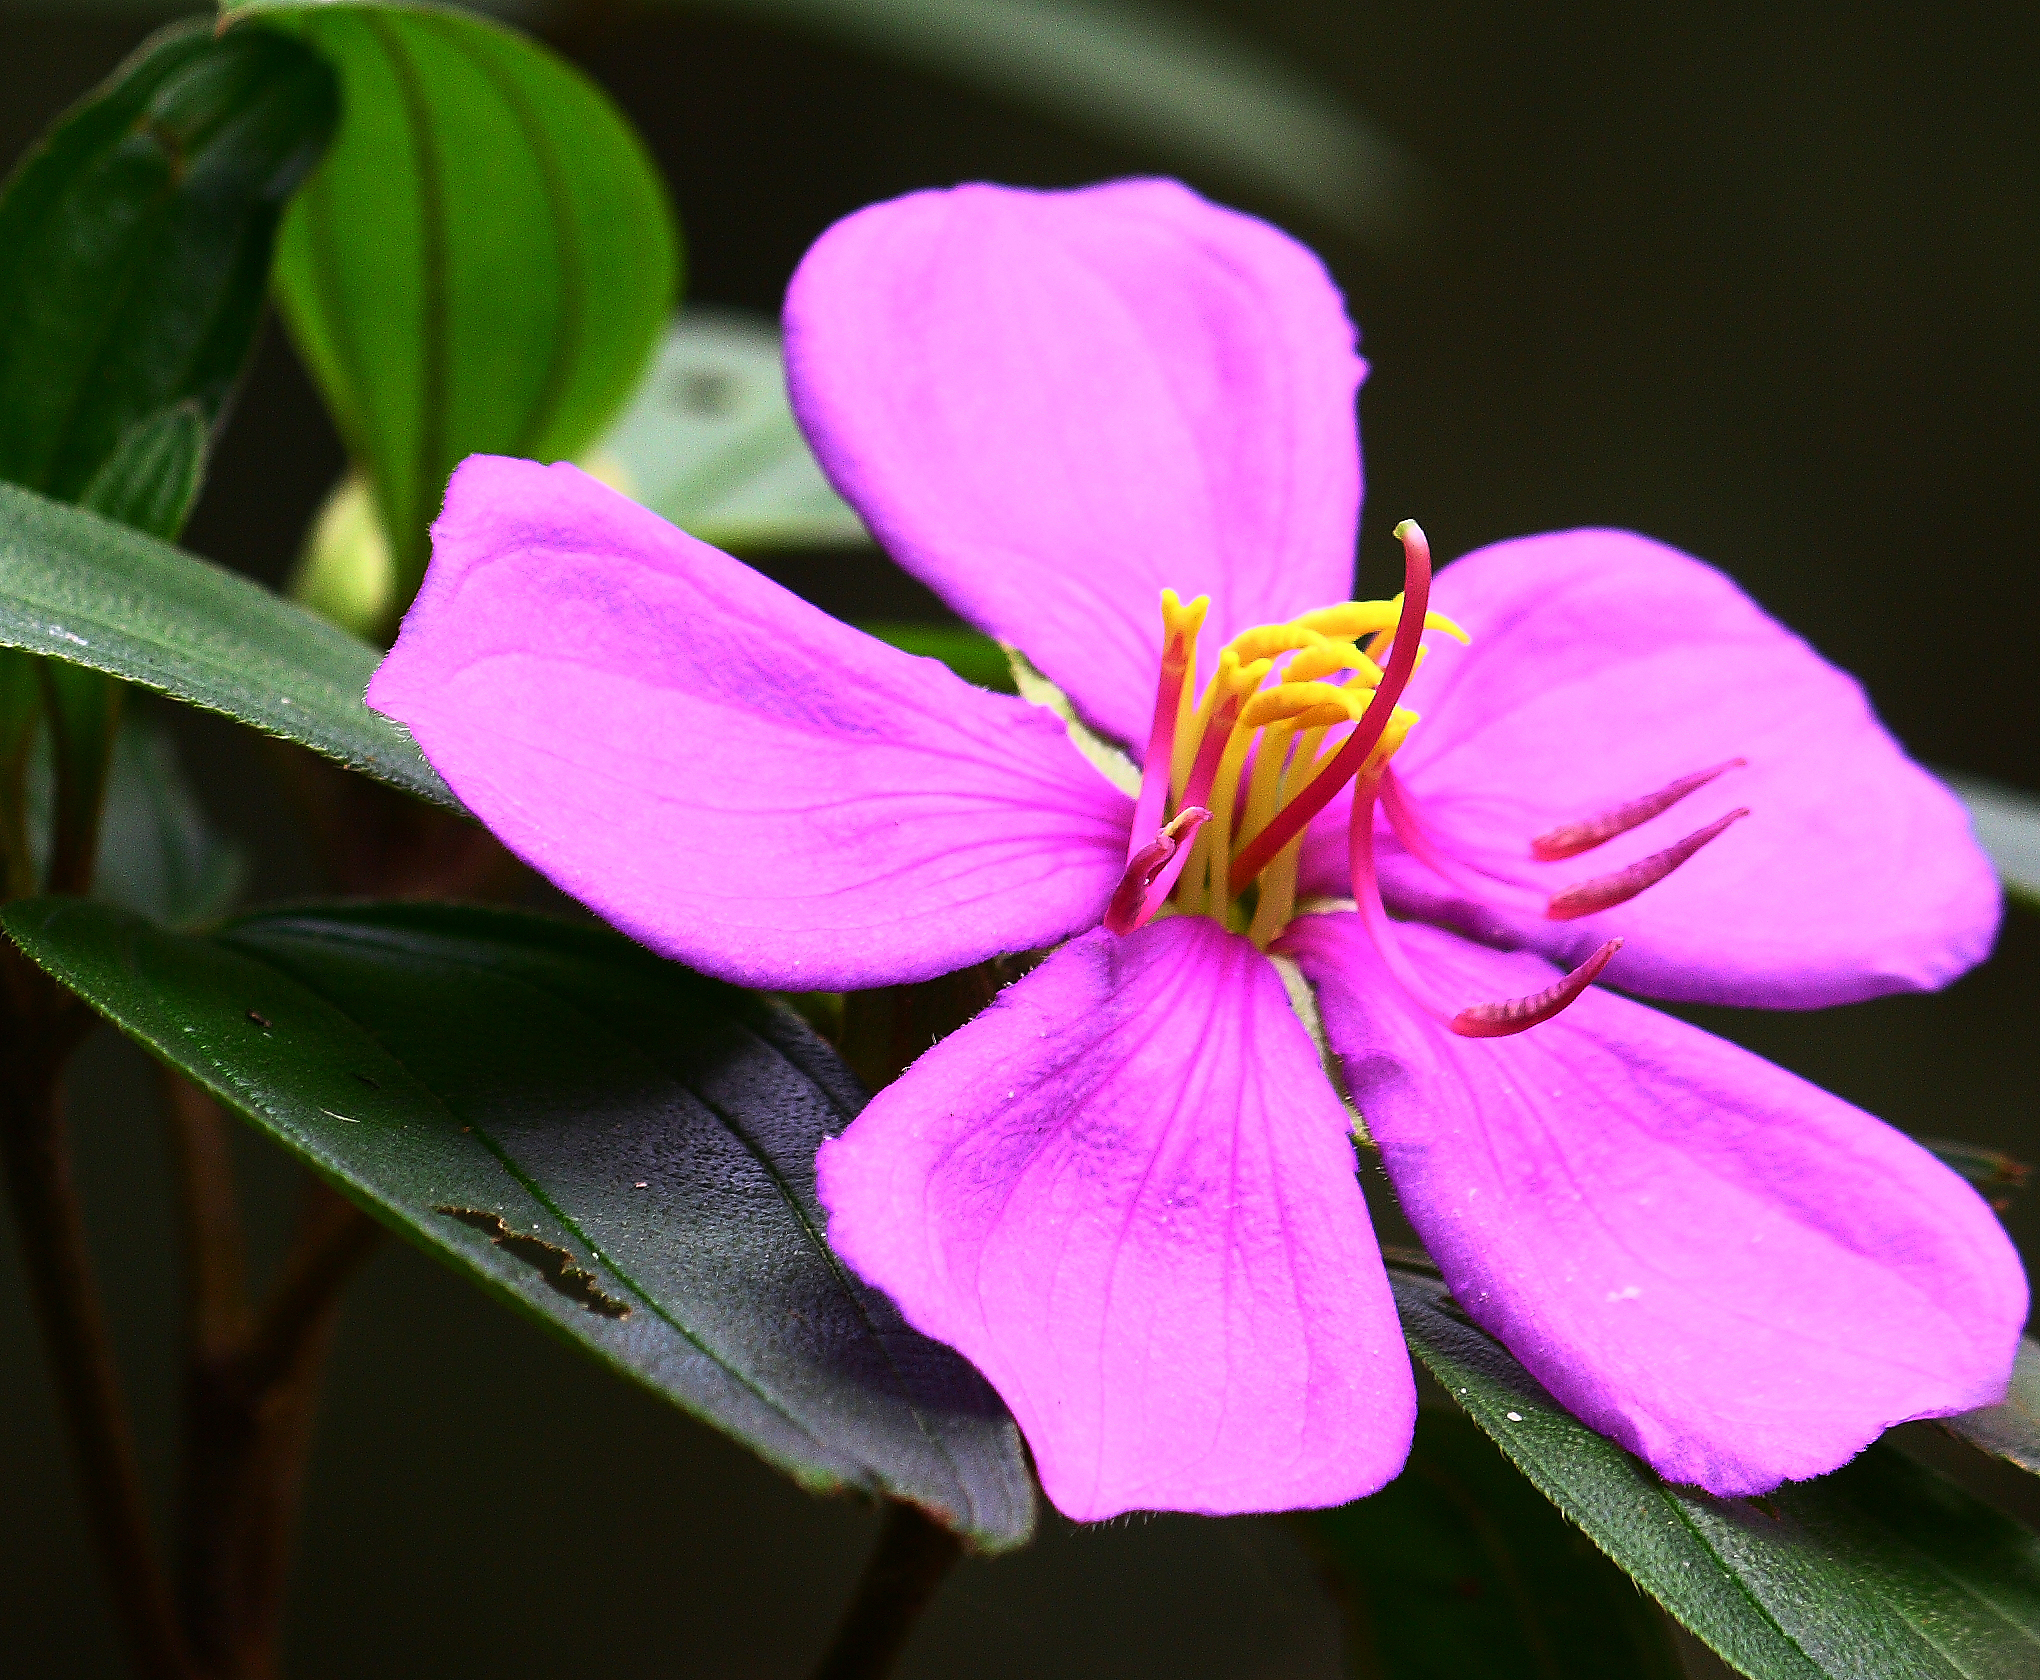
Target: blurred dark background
1758	280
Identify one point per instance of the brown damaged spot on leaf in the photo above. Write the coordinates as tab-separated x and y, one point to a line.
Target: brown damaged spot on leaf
552	1262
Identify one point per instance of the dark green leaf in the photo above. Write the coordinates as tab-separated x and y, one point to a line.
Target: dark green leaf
152	479
975	658
483	262
1883	1569
135	244
2010	1430
618	1146
84	590
158	852
1460	1568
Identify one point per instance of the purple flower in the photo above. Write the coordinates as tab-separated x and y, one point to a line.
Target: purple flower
1128	1191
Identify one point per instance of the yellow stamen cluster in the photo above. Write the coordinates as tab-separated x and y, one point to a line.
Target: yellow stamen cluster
1278	721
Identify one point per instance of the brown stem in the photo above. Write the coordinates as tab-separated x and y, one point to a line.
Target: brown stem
40	1029
334	1237
276	1492
215	1253
252	1391
913	1555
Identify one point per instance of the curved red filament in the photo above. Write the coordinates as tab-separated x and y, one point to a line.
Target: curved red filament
1604	892
1499	1019
1294	817
1570	839
1514	1015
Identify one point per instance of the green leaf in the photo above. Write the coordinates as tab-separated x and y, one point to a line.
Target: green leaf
152	478
710	442
2010	1430
135	243
617	1146
84	590
158	852
975	658
1460	1567
1884	1568
482	263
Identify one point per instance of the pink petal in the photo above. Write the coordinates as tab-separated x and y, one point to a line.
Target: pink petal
1605	666
1736	1275
1128	1195
728	775
1051	405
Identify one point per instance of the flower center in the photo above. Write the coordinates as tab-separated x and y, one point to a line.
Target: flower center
1235	771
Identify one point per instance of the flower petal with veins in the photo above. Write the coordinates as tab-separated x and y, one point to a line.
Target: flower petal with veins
1051	405
1605	666
1741	1278
1127	1194
728	775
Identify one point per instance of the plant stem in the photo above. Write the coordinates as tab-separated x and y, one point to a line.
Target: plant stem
252	1386
913	1555
41	1027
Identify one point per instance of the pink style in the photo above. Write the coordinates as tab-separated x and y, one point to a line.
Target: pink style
1115	428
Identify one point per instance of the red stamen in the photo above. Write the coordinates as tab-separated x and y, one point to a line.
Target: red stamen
1604	892
1481	1020
1152	872
1570	839
1161	750
1204	769
1292	819
1407	822
1514	1015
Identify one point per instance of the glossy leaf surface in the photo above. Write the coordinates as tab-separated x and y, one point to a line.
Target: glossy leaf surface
1460	1567
135	244
483	261
1884	1568
84	590
617	1146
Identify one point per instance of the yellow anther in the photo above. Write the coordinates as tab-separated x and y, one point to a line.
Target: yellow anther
1354	618
1265	641
1400	722
1183	619
1300	699
1325	672
1315	662
1438	621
